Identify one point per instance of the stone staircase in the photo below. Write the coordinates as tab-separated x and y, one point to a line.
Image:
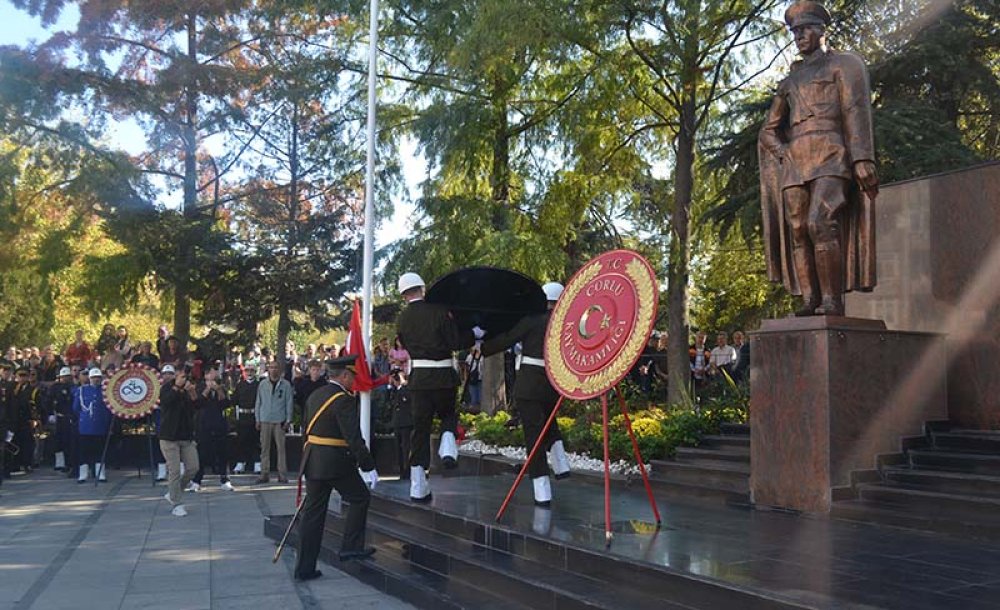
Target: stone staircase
946	481
718	469
439	560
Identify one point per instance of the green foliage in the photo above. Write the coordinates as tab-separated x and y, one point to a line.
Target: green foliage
730	290
658	432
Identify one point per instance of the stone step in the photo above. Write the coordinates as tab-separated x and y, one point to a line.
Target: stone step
519	551
889	515
724	440
963	441
389	572
944	481
735	429
728	476
972	463
522	580
933	504
731	454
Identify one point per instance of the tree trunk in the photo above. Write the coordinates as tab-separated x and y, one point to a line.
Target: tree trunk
678	364
494	394
494	390
182	315
182	302
284	327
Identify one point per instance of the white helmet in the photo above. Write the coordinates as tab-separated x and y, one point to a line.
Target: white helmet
96	372
167	368
552	291
65	372
408	281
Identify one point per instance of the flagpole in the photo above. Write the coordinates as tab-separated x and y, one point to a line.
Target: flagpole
366	303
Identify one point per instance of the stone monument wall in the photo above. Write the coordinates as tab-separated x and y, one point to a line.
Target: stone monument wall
938	248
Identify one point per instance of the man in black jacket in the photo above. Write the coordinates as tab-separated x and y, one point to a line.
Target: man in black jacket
177	404
429	333
534	395
334	451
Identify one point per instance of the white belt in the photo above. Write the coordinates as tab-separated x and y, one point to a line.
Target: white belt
534	361
432	364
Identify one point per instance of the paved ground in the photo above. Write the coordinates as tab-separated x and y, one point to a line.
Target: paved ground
64	545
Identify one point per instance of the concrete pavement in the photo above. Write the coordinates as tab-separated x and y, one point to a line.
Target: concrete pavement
64	545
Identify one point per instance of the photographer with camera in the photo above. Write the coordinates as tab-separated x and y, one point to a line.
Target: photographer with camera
177	405
212	430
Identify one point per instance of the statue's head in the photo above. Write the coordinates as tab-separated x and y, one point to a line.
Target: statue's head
807	20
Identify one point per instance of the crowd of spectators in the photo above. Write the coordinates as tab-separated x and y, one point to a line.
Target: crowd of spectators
708	366
52	404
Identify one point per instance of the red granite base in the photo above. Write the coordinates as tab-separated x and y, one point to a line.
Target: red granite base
828	394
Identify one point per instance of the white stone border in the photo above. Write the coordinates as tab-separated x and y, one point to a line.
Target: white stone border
577	461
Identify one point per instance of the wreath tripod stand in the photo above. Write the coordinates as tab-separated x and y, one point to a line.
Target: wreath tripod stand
607	463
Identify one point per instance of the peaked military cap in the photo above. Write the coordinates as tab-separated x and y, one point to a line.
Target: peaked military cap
339	364
807	12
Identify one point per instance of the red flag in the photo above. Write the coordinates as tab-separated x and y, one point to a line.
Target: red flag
363	381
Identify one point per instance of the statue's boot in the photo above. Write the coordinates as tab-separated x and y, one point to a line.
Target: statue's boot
802	259
830	270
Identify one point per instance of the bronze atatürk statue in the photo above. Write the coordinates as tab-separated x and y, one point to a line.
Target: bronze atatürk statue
817	172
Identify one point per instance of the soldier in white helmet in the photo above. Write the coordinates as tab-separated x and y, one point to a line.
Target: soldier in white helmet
534	396
429	333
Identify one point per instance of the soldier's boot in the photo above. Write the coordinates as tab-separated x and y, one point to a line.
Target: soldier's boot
99	472
84	473
805	271
448	450
238	469
161	472
560	463
829	269
543	491
256	467
420	489
60	461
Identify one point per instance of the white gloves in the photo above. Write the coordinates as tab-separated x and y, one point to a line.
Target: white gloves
478	332
370	478
52	419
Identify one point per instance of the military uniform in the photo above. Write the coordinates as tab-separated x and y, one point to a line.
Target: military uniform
429	333
818	228
534	396
334	451
60	405
247	437
23	407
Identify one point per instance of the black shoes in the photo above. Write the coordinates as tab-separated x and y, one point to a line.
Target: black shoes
449	463
426	499
309	576
563	475
543	503
356	555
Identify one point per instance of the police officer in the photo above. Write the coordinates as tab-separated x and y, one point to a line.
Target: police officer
6	387
334	452
534	396
429	333
247	437
23	416
59	408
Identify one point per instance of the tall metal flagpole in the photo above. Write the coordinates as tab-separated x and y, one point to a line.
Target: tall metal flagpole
366	303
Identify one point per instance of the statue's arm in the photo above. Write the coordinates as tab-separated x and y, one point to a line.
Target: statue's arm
770	132
856	109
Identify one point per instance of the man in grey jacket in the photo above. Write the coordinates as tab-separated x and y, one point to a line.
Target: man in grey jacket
273	412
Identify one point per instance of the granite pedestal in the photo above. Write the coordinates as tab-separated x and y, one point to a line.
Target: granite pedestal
828	394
